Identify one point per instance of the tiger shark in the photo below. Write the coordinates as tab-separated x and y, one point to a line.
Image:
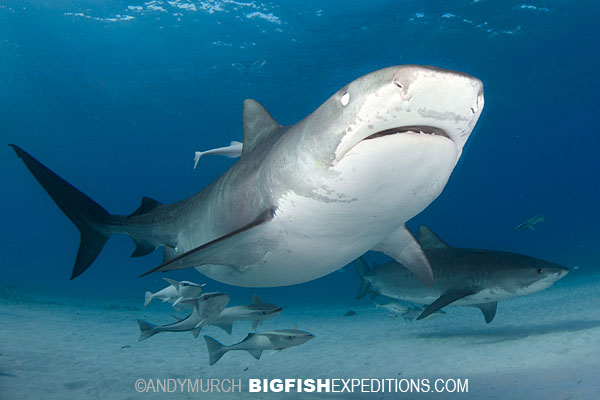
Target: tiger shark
373	155
464	277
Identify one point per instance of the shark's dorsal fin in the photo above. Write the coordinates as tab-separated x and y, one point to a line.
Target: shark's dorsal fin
256	300
147	205
429	240
258	124
172	282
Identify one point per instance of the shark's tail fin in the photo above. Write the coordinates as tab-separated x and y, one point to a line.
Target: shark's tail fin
148	298
86	214
197	156
94	223
146	329
215	349
363	268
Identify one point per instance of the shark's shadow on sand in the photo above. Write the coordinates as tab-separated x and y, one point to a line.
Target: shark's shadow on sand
506	333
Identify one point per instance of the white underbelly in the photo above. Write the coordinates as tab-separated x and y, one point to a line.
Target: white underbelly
365	198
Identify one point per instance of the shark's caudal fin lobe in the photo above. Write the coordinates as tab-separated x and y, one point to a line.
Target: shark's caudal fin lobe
443	301
148	298
363	269
249	243
258	124
146	329
488	310
215	349
429	240
89	217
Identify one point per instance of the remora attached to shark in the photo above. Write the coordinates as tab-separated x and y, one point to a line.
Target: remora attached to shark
234	150
257	342
463	277
374	155
256	312
206	308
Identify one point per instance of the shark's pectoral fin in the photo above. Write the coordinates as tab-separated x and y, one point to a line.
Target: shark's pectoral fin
488	310
256	353
402	246
177	301
239	248
444	300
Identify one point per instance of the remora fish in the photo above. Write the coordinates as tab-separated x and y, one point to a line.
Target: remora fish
530	223
409	313
175	292
206	308
464	277
374	155
256	343
256	312
234	150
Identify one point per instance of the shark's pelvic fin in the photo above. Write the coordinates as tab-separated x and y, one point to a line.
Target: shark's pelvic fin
256	353
250	246
226	326
488	310
444	300
89	217
429	240
258	125
402	246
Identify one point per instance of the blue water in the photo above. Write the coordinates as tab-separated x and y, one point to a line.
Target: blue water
115	96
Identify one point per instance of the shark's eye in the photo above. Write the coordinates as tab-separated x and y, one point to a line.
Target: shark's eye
289	337
539	271
345	99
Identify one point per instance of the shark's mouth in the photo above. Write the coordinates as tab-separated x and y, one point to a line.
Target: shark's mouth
415	129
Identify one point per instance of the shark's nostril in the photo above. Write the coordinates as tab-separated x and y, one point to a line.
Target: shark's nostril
398	83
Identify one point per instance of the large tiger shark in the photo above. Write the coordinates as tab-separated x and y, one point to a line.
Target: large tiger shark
374	155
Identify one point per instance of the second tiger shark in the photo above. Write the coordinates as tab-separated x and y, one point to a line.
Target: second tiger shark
373	155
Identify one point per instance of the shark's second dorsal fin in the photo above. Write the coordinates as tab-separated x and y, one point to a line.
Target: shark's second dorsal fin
258	124
147	205
429	240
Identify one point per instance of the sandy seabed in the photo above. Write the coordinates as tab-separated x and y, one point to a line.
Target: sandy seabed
543	346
